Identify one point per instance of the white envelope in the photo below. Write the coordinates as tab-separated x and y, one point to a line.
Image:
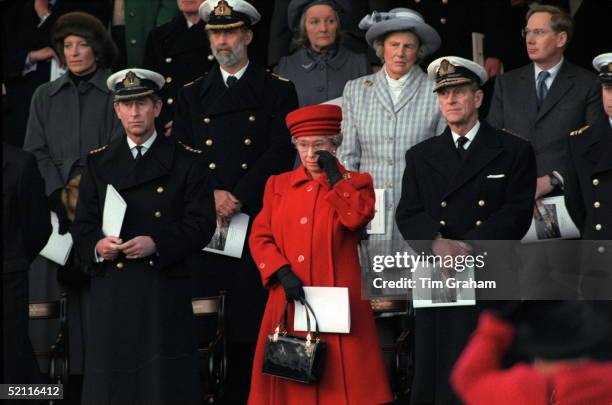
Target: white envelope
377	224
331	307
114	212
58	246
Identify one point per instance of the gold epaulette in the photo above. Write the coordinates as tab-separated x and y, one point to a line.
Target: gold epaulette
189	148
580	131
192	82
284	79
91	152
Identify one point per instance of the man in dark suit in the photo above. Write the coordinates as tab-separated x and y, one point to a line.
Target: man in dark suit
142	347
236	115
26	226
471	183
588	191
542	102
179	51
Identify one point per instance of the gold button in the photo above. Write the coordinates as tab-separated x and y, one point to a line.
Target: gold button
244	166
262	265
119	265
168	60
168	79
598	227
443	223
211	57
444	1
595	182
349	213
160	189
601	249
247	141
209	142
443	20
207	120
151	263
481	203
346	195
212	166
443	204
133	41
309	188
597	204
478	223
252	118
300	258
303	220
132	14
170	101
157	214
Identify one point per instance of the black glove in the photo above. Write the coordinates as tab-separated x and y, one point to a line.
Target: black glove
291	284
327	162
56	205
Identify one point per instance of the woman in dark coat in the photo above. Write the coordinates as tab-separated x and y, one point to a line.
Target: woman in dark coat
318	207
321	66
69	117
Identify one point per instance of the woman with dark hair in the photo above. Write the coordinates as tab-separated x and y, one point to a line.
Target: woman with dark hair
321	65
69	117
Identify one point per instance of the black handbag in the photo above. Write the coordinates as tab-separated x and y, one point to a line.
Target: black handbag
294	357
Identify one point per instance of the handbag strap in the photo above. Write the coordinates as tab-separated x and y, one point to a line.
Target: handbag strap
282	322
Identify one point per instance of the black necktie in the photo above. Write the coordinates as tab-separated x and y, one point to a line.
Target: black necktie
461	147
542	89
231	80
138	152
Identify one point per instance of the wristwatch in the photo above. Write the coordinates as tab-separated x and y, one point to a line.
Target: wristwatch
556	180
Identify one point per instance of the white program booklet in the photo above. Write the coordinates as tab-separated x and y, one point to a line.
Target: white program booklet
331	307
114	212
377	224
58	246
437	288
229	239
556	223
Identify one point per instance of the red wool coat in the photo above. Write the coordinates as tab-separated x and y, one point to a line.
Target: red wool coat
479	379
315	229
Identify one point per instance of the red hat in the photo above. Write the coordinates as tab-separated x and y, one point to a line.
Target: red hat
315	120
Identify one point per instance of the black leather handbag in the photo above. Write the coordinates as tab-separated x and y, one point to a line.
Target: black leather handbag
292	357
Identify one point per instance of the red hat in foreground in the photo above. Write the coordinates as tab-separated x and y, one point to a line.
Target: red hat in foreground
315	120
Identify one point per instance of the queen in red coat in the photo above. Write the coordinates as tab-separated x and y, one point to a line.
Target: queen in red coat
307	235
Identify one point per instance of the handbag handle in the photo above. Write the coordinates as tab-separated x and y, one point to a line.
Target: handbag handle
283	322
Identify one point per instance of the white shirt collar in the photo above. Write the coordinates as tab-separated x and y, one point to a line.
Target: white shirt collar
470	135
553	72
237	75
145	145
610	119
396	86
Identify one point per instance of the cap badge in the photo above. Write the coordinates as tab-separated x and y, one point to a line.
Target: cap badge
446	68
131	80
223	9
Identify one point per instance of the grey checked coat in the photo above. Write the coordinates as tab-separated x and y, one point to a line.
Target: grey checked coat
377	132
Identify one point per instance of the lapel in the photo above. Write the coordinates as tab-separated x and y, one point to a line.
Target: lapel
443	157
381	89
413	84
528	93
246	94
119	168
561	85
485	148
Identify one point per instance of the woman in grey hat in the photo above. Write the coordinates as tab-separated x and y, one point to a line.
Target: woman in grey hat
388	112
321	65
69	117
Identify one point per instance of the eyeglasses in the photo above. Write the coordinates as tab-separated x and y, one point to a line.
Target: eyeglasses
316	146
536	33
